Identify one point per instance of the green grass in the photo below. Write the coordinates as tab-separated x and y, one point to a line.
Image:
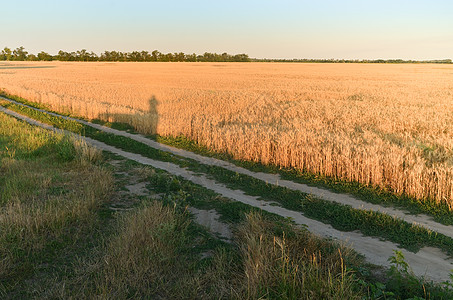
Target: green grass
373	194
182	193
58	239
341	217
228	270
50	192
155	253
152	251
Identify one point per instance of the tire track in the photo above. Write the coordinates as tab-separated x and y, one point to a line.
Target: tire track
429	262
345	199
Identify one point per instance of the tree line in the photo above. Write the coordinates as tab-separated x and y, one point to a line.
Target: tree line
378	61
19	54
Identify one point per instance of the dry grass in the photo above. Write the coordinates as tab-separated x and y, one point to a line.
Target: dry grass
149	258
57	241
385	125
50	191
146	258
301	266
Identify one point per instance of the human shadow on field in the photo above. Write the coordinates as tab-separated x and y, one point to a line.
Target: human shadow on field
143	121
153	114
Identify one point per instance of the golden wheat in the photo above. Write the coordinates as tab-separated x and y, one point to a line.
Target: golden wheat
378	124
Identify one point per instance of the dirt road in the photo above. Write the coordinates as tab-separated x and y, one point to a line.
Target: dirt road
429	262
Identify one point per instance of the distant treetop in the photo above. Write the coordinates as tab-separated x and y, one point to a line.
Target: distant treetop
83	55
363	61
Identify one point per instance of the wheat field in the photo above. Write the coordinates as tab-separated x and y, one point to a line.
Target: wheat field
377	124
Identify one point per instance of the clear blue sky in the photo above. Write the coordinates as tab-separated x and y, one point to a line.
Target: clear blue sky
408	29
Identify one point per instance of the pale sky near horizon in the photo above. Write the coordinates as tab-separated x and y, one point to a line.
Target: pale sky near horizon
354	29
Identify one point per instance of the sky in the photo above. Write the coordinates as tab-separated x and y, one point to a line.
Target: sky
349	29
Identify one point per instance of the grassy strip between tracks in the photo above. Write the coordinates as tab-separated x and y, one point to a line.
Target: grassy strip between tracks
59	240
74	248
397	284
341	217
373	194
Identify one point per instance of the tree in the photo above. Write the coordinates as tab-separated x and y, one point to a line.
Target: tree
135	56
32	57
92	56
146	56
84	55
44	56
208	56
166	57
20	53
61	56
106	56
191	57
66	56
226	57
112	56
155	55
241	57
142	56
179	56
6	54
